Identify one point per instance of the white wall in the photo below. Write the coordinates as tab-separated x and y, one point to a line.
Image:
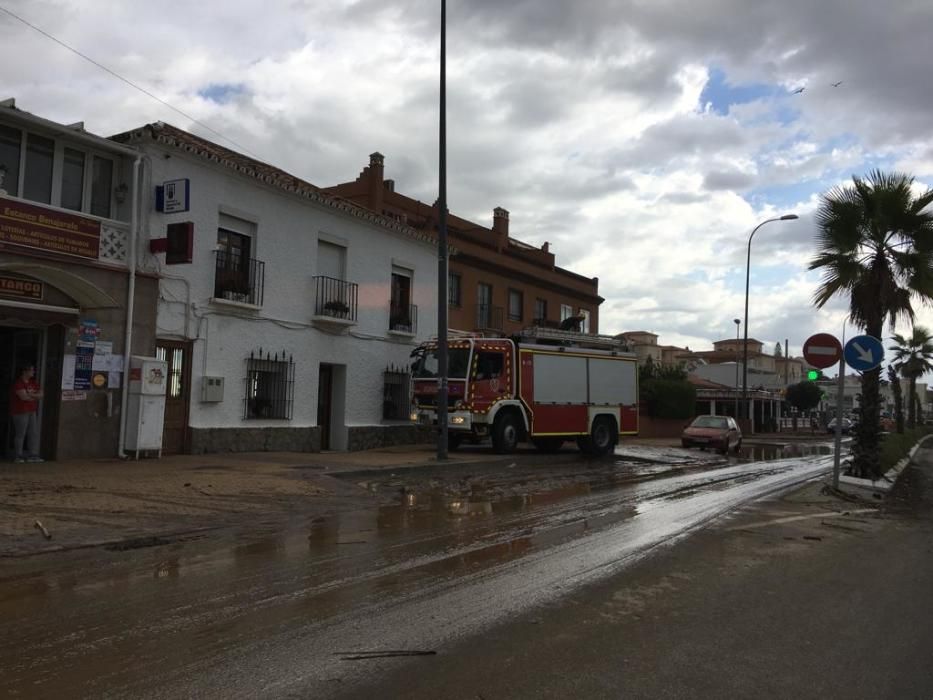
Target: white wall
287	231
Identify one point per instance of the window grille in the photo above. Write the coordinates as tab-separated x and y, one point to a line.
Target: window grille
396	393
270	386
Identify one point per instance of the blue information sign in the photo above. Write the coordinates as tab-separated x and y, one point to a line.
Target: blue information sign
864	352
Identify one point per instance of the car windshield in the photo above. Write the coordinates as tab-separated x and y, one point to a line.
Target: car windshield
424	363
709	422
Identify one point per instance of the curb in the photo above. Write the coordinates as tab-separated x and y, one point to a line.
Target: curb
887	482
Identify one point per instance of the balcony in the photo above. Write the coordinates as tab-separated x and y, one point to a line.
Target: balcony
335	301
403	318
489	318
238	279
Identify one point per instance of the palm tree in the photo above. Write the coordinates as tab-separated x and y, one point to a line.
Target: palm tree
898	399
875	246
913	357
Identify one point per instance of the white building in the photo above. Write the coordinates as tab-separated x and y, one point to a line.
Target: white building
287	315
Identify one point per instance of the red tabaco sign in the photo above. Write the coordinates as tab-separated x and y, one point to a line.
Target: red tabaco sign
45	229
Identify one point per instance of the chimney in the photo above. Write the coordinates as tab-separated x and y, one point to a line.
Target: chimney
500	226
546	247
375	187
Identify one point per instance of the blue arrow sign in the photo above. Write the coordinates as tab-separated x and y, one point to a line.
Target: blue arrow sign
864	352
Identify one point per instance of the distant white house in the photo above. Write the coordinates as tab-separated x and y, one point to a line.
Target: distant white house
287	315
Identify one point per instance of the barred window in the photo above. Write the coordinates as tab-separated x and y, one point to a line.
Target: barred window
396	393
270	386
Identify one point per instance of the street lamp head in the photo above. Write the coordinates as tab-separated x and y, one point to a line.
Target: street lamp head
789	217
737	321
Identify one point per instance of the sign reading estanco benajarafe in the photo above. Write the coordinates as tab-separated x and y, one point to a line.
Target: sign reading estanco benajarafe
55	231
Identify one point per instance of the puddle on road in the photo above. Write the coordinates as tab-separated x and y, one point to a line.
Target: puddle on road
767	453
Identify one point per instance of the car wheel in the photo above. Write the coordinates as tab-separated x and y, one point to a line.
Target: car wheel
725	447
738	446
505	433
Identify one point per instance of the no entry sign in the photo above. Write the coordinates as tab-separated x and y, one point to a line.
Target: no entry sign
822	350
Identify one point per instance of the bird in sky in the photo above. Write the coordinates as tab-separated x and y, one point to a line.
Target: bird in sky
837	84
798	91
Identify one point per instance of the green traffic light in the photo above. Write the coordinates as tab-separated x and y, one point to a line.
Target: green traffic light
814	374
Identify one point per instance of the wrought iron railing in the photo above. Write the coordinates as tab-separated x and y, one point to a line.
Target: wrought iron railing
403	318
270	386
488	318
336	298
238	279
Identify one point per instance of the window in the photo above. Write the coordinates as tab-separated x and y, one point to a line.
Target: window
40	155
540	310
402	313
237	277
396	394
73	180
10	153
489	365
566	311
453	290
101	186
270	386
331	260
585	315
84	182
516	302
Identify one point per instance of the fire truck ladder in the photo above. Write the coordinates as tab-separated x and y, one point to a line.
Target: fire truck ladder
553	336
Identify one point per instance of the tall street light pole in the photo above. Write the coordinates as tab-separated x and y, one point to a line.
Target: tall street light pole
442	251
737	323
748	267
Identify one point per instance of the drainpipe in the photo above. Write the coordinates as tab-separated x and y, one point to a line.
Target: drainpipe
130	303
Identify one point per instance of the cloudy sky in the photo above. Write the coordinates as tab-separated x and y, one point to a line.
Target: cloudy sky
644	139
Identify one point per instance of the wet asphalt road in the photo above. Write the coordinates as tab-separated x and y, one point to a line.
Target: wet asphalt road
285	614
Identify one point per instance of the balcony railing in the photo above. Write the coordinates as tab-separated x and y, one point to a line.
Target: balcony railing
335	298
238	279
488	318
403	318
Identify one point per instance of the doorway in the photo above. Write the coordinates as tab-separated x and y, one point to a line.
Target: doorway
177	355
42	348
325	403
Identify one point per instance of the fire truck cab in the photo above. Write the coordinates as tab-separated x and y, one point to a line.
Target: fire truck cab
543	385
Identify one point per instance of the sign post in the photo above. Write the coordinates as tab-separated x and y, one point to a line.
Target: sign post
822	351
862	353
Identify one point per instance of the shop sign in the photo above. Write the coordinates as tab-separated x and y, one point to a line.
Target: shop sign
45	229
21	289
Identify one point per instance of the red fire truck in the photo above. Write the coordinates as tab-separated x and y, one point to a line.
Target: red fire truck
544	385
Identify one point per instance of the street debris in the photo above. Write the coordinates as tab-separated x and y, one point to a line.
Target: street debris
41	528
385	654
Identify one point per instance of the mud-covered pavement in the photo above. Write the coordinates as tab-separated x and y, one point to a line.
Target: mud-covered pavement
278	608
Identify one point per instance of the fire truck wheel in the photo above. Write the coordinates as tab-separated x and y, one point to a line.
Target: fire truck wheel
602	437
548	444
505	432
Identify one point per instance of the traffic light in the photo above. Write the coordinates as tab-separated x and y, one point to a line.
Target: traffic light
814	375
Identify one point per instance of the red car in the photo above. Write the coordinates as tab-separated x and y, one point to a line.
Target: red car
719	432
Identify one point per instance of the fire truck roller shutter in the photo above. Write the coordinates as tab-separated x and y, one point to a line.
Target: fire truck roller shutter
560	379
612	382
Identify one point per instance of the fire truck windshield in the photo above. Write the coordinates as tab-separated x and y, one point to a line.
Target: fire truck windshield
424	365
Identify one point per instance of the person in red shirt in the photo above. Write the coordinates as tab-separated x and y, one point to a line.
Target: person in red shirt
24	408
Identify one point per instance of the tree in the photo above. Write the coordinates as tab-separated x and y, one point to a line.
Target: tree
804	395
664	391
875	244
778	350
913	357
898	398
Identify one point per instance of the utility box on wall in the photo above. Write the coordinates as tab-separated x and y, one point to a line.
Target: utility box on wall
145	409
212	389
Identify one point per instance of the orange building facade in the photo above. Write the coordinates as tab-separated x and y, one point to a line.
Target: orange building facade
496	284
